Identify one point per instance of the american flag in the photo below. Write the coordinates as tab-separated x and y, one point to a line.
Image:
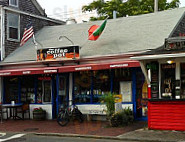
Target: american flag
28	33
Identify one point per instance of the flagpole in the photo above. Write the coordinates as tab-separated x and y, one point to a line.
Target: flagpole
35	43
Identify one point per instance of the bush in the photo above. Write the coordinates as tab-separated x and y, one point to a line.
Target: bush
122	118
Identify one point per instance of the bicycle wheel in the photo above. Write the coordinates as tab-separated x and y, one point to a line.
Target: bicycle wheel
63	118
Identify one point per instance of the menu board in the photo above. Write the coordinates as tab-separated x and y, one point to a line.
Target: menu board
154	80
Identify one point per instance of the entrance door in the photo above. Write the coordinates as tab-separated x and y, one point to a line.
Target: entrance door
63	92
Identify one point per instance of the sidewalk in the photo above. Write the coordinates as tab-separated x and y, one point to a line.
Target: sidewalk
95	129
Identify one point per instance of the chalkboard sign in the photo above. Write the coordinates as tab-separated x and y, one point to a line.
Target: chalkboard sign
155	80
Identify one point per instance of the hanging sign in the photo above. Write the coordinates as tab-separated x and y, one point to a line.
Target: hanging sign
61	53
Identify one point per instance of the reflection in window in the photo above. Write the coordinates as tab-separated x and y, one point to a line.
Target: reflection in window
101	84
82	87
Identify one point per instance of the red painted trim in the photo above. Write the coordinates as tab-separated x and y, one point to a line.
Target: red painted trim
149	92
100	66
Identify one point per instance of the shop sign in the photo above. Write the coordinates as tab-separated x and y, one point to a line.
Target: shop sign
61	53
96	112
175	43
118	65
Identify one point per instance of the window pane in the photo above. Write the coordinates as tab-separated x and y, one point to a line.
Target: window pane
13	20
13	33
101	80
11	89
82	87
47	91
168	80
14	2
27	89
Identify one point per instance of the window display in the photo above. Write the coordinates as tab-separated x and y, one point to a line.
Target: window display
168	80
82	87
11	89
27	89
101	84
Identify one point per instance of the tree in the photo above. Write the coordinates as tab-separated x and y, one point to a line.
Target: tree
130	7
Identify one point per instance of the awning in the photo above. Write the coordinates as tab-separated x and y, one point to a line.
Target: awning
100	66
29	71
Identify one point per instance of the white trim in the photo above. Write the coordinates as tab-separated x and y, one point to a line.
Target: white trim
2	33
7	29
159	56
10	4
33	15
160	80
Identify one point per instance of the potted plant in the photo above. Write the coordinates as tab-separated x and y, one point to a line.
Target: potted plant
39	114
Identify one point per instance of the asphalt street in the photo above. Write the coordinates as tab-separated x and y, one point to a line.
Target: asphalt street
9	137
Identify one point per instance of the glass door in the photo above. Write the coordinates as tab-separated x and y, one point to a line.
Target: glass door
47	91
62	98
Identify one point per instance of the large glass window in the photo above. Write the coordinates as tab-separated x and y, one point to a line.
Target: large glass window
82	87
101	84
11	89
13	29
27	89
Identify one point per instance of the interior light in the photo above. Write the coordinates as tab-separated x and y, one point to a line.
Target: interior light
170	61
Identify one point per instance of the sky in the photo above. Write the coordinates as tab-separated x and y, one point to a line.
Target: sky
64	9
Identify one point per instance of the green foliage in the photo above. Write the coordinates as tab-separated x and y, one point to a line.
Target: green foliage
130	7
108	100
122	118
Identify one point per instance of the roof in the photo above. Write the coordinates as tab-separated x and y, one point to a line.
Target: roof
122	35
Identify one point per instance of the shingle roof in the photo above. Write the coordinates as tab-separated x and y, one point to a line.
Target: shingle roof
122	35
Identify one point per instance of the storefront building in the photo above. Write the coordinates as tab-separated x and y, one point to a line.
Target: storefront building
68	69
165	70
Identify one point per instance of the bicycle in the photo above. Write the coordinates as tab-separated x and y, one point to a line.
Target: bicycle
70	112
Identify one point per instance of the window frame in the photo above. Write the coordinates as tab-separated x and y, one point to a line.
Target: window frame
18	28
11	4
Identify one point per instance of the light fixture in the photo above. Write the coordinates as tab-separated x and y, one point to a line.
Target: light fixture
170	61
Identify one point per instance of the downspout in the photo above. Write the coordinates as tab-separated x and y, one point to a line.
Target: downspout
2	33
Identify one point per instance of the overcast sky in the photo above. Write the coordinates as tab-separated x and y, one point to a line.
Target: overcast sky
63	9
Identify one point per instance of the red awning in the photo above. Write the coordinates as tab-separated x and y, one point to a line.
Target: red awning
100	66
28	71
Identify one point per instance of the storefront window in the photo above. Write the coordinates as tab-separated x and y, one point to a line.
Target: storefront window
101	84
27	89
82	87
11	89
168	80
122	84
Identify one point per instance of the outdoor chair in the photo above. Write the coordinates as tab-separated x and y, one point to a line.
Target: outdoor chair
23	110
3	111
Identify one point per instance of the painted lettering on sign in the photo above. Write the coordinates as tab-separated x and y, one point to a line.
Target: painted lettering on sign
6	73
50	71
83	68
26	72
118	65
61	53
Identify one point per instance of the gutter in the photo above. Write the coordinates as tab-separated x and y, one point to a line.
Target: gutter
33	15
2	33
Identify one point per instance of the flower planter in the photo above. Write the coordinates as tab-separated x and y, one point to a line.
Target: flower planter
39	115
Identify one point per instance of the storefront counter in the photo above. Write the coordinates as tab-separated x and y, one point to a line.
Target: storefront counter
166	114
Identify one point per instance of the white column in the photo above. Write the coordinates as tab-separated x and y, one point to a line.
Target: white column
70	88
177	72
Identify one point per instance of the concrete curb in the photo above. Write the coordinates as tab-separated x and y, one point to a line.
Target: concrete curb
99	137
